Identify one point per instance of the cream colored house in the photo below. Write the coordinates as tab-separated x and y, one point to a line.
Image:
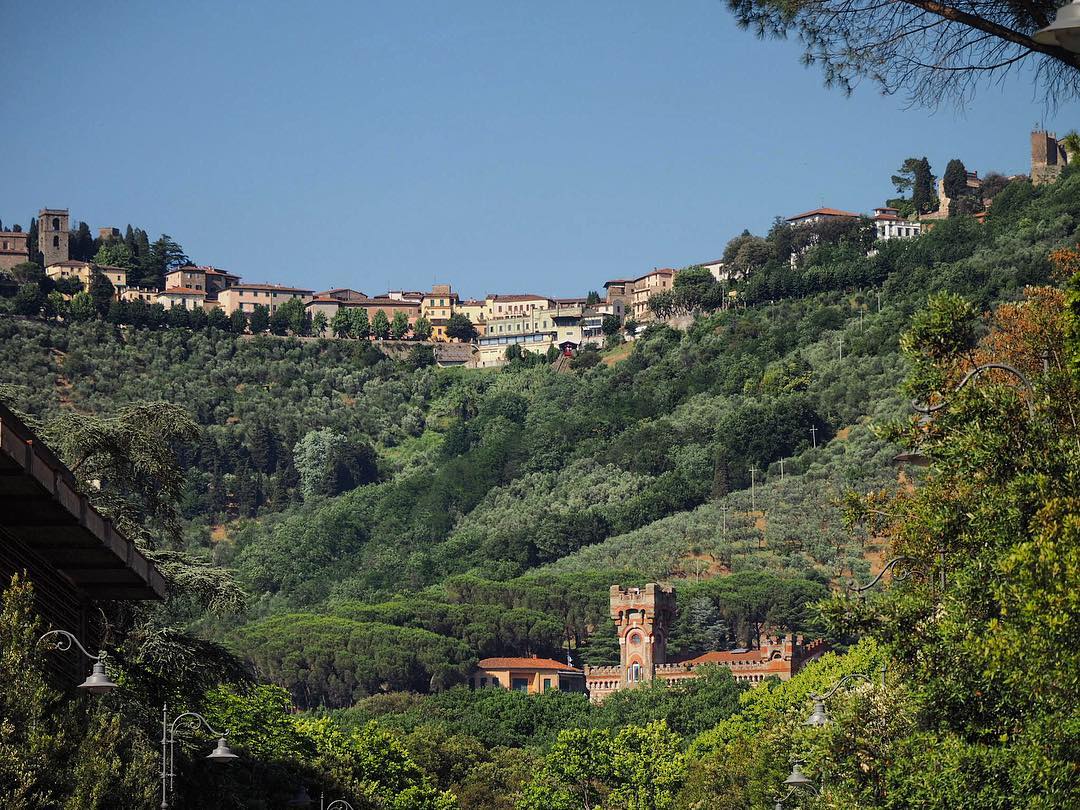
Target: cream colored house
512	306
182	297
83	271
437	306
491	348
475	311
245	297
650	284
531	675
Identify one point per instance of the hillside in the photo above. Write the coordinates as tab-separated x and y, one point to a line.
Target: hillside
391	524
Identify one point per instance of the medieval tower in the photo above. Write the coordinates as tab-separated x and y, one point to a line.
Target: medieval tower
1048	157
53	235
643	617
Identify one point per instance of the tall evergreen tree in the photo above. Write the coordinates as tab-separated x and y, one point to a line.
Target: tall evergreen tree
955	182
81	243
922	189
32	242
102	291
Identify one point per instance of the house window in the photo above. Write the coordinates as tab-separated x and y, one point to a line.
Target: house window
519	684
56	241
547	684
634	675
56	223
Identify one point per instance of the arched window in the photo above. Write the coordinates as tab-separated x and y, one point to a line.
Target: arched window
635	639
56	241
56	223
634	674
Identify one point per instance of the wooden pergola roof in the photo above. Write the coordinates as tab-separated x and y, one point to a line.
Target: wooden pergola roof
42	511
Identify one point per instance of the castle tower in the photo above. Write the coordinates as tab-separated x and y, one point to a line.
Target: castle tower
1048	157
53	235
642	618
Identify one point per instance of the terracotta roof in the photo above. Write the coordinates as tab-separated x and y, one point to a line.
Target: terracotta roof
619	281
889	217
274	287
824	212
69	263
525	663
571	300
183	291
525	297
706	264
324	300
201	268
111	268
662	271
725	657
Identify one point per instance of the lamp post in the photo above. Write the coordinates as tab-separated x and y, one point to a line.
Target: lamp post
220	754
1064	30
98	682
796	781
302	799
819	717
919	459
927	408
904	573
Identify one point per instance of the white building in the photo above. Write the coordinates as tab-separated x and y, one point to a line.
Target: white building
889	225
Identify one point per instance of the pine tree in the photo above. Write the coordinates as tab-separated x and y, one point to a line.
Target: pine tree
81	243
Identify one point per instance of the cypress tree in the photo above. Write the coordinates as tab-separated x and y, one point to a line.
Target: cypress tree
955	183
922	191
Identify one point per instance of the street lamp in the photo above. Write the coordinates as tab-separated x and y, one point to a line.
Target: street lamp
819	717
797	781
220	754
302	799
98	682
899	576
1064	30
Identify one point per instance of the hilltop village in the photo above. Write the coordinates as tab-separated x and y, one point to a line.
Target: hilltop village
489	330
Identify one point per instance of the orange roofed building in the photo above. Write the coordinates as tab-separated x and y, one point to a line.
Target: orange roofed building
527	674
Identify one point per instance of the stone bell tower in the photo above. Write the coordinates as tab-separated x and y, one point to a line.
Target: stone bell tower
53	235
642	617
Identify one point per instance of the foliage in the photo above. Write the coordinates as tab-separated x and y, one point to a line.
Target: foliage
930	52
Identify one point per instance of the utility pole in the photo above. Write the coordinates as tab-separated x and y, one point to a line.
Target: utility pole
879	300
841	337
753	476
781	468
723	514
813	435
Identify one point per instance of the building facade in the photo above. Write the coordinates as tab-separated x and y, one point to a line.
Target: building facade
527	674
889	225
14	249
643	618
437	306
245	297
820	215
83	272
646	286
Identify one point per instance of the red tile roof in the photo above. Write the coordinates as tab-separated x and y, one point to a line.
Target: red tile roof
525	663
725	657
525	297
660	271
272	287
824	212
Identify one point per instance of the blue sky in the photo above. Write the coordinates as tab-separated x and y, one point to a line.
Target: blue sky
499	146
